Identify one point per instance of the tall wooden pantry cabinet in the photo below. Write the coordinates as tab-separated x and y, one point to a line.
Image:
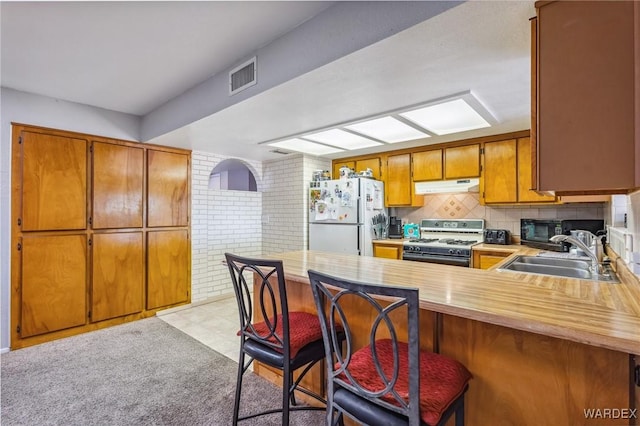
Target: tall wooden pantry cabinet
100	232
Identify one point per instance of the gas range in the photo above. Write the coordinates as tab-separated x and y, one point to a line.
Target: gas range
445	241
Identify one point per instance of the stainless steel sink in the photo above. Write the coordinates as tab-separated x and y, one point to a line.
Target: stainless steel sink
560	267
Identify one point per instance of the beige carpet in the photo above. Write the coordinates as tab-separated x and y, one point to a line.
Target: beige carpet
141	373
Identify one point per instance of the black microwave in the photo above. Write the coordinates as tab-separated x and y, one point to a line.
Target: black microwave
537	232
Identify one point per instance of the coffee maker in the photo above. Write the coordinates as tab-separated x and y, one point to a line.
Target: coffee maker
395	228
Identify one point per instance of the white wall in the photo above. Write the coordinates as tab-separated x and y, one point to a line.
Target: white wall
24	108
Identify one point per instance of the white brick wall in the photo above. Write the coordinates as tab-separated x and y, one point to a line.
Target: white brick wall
272	220
286	183
221	221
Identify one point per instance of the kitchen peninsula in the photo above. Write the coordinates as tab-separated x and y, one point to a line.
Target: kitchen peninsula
543	350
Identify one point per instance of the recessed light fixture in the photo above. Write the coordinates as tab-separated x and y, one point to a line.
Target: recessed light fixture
388	129
342	139
454	116
306	147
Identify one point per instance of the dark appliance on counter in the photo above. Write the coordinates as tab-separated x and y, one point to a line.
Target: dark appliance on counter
395	228
497	236
446	242
537	232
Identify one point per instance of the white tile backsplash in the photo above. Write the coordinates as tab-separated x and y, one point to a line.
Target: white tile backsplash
501	217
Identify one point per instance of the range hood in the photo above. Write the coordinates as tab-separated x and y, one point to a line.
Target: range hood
440	186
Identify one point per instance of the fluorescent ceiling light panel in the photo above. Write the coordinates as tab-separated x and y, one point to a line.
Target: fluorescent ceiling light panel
306	147
342	139
447	117
387	129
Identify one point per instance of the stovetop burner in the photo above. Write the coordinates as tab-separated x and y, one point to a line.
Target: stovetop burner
449	241
453	241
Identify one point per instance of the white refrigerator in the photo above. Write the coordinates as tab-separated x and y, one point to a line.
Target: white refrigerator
342	214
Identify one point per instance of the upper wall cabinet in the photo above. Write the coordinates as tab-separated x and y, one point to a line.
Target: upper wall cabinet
587	103
449	163
462	162
118	176
168	188
399	187
427	165
506	176
359	165
53	181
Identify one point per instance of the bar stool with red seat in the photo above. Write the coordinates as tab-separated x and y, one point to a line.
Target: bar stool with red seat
272	335
384	381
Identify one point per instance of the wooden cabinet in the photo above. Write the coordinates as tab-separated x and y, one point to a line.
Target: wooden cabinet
399	187
117	284
448	163
53	179
506	175
462	161
338	164
168	266
118	176
588	96
84	257
53	284
359	165
375	164
387	250
526	193
485	259
427	165
398	191
500	172
168	183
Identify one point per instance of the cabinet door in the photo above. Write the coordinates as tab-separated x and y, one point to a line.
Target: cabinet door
486	259
388	252
427	165
370	163
525	192
167	268
118	173
168	188
54	182
588	125
462	162
337	165
117	275
54	283
500	178
398	182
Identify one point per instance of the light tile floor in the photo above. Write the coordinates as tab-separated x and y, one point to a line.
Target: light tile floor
215	324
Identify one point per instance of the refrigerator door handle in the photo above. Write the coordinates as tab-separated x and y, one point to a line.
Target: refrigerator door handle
359	239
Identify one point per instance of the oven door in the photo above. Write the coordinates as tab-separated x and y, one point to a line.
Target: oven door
434	258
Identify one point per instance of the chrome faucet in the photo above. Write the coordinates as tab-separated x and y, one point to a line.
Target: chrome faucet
595	261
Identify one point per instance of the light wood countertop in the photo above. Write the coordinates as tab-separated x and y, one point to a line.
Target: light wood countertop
595	313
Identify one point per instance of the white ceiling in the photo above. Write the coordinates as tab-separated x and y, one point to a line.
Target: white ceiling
132	56
80	49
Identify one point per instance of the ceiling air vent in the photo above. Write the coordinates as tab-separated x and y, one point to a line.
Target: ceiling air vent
277	151
242	76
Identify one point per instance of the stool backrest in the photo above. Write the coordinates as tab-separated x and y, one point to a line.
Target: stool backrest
383	307
272	294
